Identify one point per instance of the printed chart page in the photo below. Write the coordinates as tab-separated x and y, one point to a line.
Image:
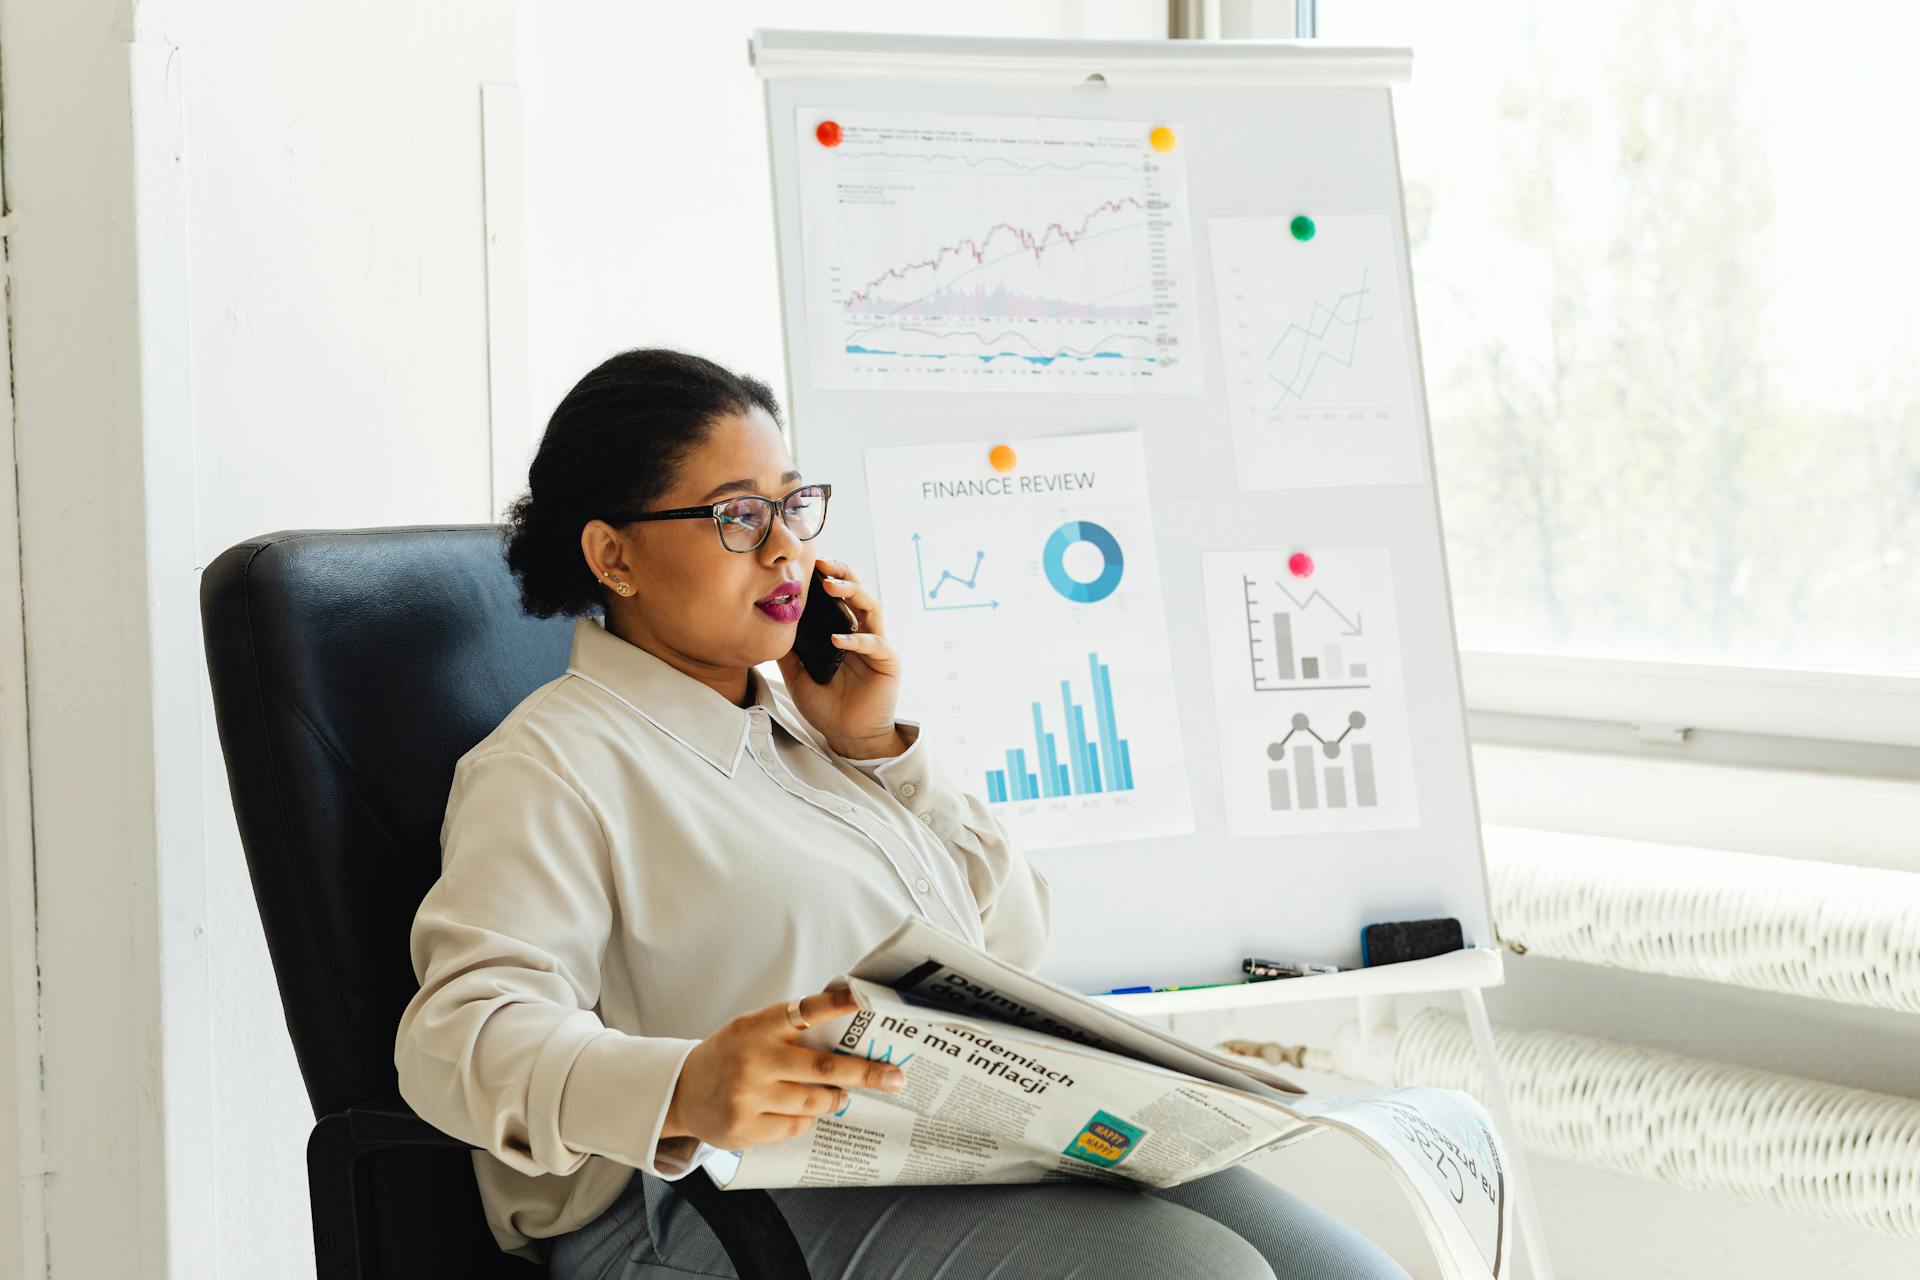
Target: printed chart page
996	253
1305	653
1021	586
1318	358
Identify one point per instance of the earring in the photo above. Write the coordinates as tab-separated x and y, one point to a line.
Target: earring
623	588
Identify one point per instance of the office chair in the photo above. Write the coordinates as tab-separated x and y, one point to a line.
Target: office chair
350	670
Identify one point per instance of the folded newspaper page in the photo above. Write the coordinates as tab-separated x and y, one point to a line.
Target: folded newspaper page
1010	1078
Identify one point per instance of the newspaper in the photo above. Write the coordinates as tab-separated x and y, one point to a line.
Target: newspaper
1010	1078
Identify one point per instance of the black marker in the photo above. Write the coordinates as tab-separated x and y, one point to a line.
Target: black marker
1255	967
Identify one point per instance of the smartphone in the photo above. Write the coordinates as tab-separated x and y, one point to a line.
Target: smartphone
823	618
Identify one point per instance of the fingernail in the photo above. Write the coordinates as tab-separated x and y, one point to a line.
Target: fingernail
893	1077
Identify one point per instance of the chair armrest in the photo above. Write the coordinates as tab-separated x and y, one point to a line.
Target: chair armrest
747	1223
376	1128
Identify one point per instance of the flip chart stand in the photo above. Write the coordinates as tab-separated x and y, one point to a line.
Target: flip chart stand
1465	972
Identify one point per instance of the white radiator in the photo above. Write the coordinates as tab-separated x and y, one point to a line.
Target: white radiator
1820	929
1802	1145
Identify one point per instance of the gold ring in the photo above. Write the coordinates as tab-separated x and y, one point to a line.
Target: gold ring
793	1015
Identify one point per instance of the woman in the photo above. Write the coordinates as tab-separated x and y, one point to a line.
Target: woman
651	863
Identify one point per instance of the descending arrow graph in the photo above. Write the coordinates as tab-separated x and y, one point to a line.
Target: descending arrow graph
1295	646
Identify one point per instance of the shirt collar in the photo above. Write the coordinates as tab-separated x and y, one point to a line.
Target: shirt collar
687	710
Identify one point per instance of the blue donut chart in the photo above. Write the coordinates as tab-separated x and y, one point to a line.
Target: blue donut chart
1053	559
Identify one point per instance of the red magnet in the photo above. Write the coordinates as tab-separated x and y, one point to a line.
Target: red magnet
1300	564
828	132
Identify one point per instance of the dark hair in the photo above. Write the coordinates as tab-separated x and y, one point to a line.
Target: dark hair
614	443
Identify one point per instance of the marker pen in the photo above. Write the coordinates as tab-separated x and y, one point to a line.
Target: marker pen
1256	967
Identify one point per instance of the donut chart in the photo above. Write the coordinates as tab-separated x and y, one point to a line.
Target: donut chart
1053	560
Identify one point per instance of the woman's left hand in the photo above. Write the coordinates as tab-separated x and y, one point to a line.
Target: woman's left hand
854	710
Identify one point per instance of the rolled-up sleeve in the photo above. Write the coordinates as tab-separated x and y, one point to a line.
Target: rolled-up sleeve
501	1046
1015	900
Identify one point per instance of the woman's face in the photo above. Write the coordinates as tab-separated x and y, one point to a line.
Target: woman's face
695	602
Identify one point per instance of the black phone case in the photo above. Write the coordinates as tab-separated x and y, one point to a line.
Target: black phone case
822	618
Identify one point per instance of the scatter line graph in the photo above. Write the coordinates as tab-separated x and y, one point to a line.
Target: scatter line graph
971	582
1313	343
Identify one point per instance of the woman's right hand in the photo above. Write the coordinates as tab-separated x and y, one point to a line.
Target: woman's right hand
750	1082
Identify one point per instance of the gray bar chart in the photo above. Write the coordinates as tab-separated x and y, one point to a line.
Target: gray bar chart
1289	648
1308	775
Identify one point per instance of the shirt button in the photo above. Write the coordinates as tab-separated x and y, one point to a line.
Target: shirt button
907	789
921	885
927	817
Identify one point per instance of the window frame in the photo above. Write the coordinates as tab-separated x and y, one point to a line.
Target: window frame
1778	702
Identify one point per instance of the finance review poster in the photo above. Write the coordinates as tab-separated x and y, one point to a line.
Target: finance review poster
1020	582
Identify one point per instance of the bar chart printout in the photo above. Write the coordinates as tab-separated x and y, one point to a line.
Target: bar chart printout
1300	638
1315	771
1082	764
1307	682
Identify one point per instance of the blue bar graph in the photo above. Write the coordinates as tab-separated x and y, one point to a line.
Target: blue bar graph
1091	766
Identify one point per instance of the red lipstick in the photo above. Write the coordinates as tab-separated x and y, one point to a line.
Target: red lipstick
783	603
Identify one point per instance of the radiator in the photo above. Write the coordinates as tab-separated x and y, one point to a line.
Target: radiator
1847	1155
1820	929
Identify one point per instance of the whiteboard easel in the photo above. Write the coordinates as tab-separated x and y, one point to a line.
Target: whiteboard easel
1465	973
1324	137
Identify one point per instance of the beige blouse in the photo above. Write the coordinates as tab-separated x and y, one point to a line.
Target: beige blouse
629	860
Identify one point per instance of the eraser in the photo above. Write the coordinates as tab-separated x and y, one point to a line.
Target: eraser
1393	942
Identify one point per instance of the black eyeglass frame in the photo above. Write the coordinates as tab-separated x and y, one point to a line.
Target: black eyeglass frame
712	511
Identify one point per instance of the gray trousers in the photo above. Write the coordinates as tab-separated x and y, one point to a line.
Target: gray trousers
1232	1225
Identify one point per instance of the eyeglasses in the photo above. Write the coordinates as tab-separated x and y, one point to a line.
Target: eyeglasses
744	522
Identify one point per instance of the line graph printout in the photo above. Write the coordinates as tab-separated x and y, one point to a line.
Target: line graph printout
1306	677
1320	380
996	253
1021	588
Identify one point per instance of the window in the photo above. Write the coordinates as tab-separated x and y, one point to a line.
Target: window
1668	272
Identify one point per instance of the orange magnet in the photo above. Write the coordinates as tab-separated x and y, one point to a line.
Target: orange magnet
1162	139
828	131
1001	457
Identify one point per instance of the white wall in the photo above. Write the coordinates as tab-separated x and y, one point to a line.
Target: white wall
85	1029
337	297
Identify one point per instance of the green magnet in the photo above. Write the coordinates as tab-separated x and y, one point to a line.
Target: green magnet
1302	227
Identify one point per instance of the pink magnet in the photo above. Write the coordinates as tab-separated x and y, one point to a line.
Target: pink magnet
1300	564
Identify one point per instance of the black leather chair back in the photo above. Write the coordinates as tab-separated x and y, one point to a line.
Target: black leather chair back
350	671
